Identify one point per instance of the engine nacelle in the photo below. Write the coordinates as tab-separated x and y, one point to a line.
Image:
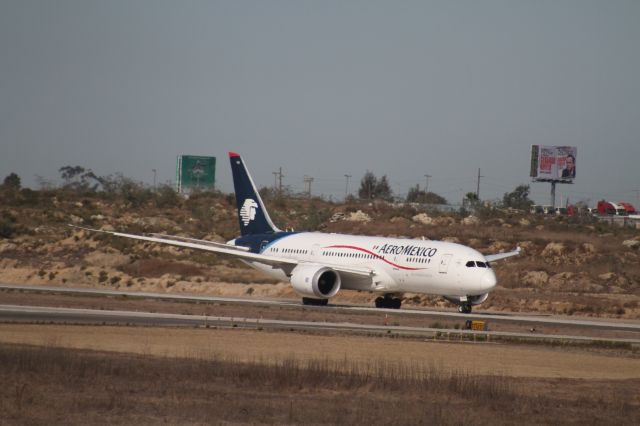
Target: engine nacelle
315	281
474	300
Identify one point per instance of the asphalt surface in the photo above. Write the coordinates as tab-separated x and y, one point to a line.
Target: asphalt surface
19	313
37	314
533	319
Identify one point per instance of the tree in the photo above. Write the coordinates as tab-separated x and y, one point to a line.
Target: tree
518	198
68	173
11	182
416	195
78	178
372	188
383	190
471	200
368	186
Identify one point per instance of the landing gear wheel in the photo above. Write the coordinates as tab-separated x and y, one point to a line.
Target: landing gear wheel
388	302
464	308
314	302
396	303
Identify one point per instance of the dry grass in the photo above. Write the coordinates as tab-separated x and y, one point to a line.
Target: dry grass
61	386
254	345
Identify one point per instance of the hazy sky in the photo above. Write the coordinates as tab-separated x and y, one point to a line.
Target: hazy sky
325	88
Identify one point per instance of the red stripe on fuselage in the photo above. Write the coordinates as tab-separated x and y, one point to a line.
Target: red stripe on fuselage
376	255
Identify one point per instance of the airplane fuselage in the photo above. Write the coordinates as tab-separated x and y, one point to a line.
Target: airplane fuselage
397	265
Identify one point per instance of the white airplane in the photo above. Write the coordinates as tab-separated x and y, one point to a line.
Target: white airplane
319	265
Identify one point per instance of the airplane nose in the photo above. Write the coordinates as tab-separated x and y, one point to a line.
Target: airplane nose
489	280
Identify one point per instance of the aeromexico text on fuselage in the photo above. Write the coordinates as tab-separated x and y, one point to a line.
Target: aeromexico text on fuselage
258	242
406	250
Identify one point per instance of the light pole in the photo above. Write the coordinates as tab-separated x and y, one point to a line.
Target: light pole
154	179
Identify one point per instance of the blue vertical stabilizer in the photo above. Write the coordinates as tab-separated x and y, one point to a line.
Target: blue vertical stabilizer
252	215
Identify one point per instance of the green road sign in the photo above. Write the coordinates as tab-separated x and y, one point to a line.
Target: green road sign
195	173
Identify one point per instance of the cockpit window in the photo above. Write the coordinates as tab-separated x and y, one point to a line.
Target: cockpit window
472	264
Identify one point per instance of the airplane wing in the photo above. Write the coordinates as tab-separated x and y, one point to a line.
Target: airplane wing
194	240
237	251
500	256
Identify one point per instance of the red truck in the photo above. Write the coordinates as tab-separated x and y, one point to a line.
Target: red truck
628	207
607	208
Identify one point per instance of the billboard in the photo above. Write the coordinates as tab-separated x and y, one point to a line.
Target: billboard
195	173
553	163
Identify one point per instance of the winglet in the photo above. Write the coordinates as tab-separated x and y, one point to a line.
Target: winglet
499	256
233	154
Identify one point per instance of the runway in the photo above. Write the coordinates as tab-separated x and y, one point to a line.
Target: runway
91	316
22	313
532	320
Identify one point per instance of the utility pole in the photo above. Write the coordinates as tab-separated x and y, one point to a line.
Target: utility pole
154	179
426	183
478	187
346	188
307	184
277	181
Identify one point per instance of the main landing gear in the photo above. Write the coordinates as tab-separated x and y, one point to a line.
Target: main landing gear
464	308
314	302
388	302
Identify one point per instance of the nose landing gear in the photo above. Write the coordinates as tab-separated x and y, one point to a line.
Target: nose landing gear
464	308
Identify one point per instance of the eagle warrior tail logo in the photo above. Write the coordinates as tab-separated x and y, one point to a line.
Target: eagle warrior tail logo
248	211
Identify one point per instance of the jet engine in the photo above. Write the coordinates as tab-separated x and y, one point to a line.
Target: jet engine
313	281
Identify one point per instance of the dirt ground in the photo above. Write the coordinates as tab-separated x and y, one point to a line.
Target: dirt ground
482	359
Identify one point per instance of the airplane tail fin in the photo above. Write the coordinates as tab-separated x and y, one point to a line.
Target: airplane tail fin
252	215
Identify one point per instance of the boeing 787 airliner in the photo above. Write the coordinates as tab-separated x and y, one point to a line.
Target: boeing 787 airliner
319	265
